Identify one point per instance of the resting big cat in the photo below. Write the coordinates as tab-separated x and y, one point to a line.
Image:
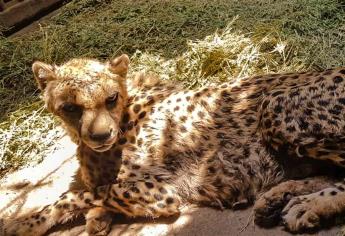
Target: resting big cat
147	146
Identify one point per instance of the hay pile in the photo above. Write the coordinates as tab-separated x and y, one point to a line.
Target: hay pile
195	42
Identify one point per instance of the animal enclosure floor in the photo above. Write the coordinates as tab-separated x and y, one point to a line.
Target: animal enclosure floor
31	188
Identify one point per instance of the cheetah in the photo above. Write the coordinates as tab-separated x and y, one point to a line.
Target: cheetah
147	147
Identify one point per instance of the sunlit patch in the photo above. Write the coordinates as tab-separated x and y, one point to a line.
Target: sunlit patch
95	66
158	229
40	185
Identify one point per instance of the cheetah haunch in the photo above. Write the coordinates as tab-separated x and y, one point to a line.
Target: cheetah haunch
147	146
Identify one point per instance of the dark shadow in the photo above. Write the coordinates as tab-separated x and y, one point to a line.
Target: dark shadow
77	224
207	222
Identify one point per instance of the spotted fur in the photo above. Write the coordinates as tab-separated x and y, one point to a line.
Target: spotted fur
147	146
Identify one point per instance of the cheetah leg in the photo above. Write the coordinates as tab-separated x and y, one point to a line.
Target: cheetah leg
326	149
70	205
307	212
268	208
98	221
303	128
135	198
142	198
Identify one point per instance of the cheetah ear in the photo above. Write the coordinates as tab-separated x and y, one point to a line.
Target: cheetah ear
119	65
43	73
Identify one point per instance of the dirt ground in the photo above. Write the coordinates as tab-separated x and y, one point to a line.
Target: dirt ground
31	188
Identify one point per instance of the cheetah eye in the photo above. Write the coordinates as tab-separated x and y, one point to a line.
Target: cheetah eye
111	100
70	108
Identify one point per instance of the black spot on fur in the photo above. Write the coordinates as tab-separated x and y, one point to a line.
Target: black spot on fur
130	125
87	201
122	141
308	112
158	178
132	139
322	117
277	93
255	95
158	197
300	214
183	118
183	129
334	112
291	129
149	185
136	108
250	121
278	109
169	200
340	188
135	167
294	93
201	114
337	79
190	108
125	118
265	104
134	190
288	119
268	123
126	194
202	192
142	115
341	100
312	89
120	202
132	175
211	169
225	94
323	103
317	128
150	100
163	190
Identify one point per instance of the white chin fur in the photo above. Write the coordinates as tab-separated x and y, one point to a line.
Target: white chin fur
102	149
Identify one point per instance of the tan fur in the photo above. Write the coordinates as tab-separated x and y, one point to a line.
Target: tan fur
157	146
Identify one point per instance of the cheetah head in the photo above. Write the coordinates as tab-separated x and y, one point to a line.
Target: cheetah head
89	96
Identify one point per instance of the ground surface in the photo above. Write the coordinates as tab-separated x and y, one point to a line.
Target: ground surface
32	188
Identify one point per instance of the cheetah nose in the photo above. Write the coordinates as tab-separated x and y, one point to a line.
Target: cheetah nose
100	137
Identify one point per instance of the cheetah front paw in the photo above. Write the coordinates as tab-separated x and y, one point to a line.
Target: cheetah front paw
268	208
299	215
98	222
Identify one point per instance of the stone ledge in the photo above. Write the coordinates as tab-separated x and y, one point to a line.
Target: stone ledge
24	12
